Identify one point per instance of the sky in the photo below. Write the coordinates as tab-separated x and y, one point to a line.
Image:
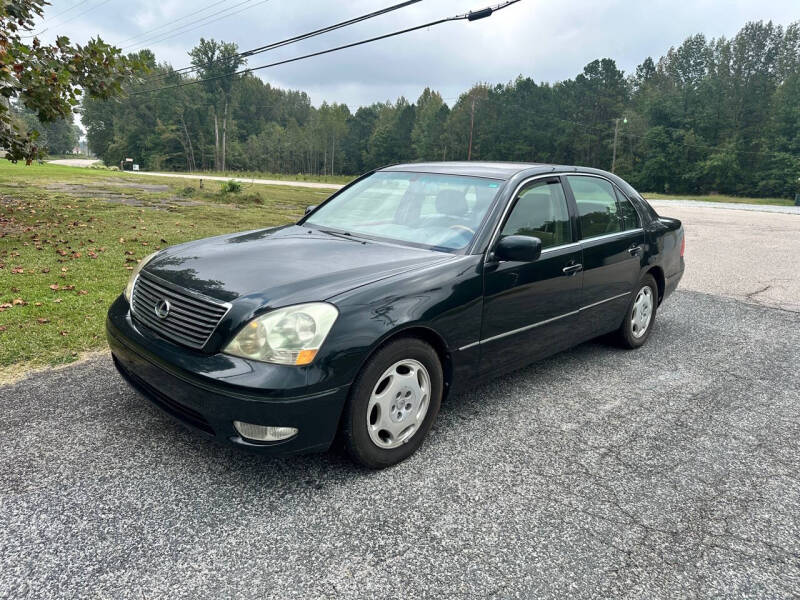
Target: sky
547	40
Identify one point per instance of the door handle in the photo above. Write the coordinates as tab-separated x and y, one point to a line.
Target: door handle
635	250
570	270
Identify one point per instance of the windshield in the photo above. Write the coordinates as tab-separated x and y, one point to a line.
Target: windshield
441	211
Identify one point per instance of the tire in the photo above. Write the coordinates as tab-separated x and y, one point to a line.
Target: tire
636	329
378	429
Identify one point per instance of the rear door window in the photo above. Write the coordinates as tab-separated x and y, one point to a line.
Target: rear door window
630	218
597	206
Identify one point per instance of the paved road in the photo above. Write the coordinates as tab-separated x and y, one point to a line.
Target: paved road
305	184
74	162
747	255
769	208
670	471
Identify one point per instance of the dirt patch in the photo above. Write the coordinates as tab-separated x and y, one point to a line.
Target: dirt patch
101	192
13	373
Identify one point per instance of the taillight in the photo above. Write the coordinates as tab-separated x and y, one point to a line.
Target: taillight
683	245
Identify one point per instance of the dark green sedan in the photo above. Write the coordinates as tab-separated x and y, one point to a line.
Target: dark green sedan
406	286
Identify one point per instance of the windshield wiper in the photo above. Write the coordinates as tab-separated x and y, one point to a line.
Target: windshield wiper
342	234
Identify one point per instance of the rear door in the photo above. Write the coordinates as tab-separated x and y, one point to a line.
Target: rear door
612	241
530	308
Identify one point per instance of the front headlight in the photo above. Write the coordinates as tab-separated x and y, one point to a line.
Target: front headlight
287	336
136	270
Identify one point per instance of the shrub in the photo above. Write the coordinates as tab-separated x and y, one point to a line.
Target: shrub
231	187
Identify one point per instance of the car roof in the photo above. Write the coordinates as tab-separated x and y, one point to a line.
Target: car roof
492	170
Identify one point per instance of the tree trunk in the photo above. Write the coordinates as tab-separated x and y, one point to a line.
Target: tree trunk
224	132
192	164
216	142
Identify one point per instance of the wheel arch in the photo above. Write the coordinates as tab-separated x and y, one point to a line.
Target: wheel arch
427	335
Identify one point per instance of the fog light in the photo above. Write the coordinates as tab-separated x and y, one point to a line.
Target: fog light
264	433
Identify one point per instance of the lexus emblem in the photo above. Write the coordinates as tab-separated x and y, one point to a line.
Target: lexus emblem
162	308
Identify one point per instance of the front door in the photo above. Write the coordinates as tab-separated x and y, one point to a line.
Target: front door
530	308
613	245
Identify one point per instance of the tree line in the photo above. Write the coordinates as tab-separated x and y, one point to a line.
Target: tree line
719	115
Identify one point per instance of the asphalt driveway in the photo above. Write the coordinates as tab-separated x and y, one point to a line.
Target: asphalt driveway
671	471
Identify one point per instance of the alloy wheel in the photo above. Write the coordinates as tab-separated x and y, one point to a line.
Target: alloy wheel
642	312
398	404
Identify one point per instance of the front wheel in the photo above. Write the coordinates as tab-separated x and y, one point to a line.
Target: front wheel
393	403
641	315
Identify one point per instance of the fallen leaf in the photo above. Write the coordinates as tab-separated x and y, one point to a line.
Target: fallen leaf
54	286
2	328
18	302
42	320
17	270
58	300
68	287
82	292
129	252
45	270
76	255
37	303
6	305
63	332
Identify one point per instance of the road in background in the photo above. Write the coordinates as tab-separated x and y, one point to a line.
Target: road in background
74	162
305	184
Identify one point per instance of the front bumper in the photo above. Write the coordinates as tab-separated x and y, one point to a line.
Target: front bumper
208	392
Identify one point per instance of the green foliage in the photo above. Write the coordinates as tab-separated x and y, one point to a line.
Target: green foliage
230	187
711	116
49	79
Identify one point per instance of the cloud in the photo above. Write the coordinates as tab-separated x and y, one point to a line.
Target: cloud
542	39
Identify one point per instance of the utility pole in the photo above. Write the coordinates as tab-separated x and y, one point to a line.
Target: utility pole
471	128
616	135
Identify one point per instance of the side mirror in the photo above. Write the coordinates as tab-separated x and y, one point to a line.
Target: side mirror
521	248
310	208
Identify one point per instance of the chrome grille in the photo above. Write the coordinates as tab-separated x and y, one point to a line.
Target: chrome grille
191	320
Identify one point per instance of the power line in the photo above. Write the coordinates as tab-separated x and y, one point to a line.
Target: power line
58	14
186	28
73	17
301	37
170	23
471	16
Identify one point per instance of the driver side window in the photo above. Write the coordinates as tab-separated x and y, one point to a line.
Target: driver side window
540	211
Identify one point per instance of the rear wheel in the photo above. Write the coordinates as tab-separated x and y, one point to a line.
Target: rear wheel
393	403
641	315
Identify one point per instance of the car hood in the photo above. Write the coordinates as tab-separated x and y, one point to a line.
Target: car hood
282	266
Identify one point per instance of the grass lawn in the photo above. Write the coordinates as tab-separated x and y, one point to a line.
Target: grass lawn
721	198
69	238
